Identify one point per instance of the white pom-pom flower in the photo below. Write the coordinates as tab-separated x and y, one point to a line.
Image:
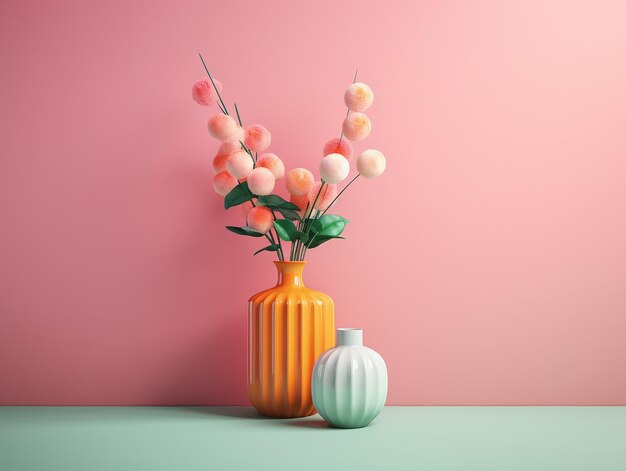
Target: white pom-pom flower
334	168
356	126
371	163
358	97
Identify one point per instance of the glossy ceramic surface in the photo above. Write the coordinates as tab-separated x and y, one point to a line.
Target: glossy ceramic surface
289	326
349	383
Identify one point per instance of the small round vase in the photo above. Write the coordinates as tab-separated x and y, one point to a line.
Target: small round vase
349	383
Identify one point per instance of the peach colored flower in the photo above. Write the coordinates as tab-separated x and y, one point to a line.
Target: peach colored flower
358	97
334	168
261	181
239	164
260	219
371	163
257	138
224	151
298	181
335	146
204	93
229	147
356	126
223	183
219	163
224	128
327	195
273	163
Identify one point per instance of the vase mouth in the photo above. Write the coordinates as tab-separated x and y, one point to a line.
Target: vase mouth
349	337
289	262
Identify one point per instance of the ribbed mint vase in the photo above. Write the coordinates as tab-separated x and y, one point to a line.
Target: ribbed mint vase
349	382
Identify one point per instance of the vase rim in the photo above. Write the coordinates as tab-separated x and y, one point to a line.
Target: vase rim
349	337
288	262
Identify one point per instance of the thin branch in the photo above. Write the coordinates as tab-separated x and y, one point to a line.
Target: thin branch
238	117
339	194
224	110
356	72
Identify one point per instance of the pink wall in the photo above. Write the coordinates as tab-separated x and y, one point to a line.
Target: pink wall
488	265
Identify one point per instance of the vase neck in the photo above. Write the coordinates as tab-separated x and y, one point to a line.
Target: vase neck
350	337
290	273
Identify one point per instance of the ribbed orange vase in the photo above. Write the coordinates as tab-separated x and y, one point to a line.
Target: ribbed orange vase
289	326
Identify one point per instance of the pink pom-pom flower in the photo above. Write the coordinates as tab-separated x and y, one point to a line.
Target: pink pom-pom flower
257	138
371	163
299	181
224	128
334	168
223	183
273	163
358	97
326	196
229	147
203	92
221	157
219	163
260	219
336	146
261	181
239	164
356	126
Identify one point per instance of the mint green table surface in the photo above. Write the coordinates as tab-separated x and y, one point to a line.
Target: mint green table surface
236	438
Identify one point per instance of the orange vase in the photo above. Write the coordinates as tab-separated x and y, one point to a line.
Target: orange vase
289	326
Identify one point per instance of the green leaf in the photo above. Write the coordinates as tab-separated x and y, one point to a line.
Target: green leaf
286	229
276	202
315	226
329	225
334	229
303	237
289	214
240	194
319	240
330	218
246	231
269	248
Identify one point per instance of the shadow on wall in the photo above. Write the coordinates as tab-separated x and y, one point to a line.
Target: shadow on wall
211	371
211	276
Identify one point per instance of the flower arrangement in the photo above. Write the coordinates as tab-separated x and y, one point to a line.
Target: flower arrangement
246	175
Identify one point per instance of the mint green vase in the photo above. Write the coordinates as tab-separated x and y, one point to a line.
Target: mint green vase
349	382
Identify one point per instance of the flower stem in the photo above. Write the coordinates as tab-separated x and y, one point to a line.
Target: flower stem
223	105
307	223
280	244
316	197
296	245
238	117
243	146
279	252
356	72
339	194
321	213
269	236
